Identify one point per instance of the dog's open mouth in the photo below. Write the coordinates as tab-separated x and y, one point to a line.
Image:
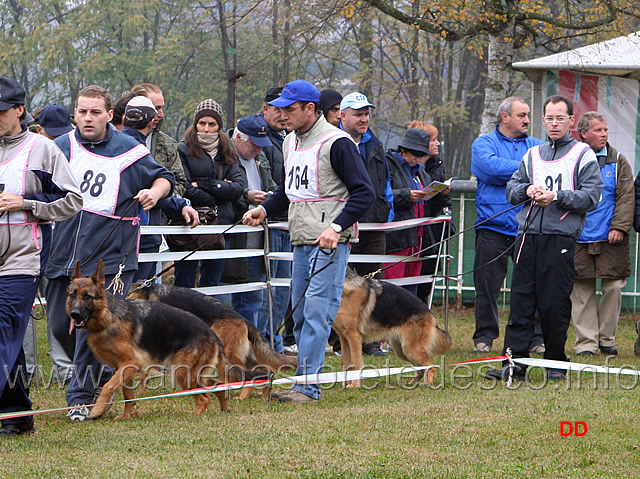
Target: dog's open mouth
79	324
76	323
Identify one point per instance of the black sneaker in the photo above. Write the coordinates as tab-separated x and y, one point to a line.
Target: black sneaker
25	427
556	374
373	349
502	374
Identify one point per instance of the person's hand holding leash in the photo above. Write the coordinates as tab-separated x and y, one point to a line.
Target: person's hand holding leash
328	239
540	195
254	217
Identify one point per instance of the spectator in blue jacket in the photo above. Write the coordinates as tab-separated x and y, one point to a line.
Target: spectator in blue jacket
494	158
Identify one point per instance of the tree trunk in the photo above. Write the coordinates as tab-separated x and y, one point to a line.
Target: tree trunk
498	74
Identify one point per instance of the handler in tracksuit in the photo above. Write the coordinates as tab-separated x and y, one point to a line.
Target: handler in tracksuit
494	159
562	178
118	179
36	187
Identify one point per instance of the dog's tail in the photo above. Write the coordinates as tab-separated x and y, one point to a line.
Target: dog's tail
238	374
265	355
443	341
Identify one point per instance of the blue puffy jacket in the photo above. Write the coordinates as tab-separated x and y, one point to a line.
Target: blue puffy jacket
494	158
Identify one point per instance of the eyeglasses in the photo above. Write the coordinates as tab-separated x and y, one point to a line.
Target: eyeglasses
559	119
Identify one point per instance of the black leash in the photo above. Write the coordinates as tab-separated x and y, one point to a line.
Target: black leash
147	282
308	280
475	225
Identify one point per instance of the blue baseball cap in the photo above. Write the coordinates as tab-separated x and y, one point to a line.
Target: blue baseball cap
297	90
56	120
255	127
355	101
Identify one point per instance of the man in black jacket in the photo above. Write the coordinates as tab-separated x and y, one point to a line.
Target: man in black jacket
279	240
354	115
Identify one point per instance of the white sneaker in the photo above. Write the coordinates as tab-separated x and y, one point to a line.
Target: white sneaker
80	413
291	350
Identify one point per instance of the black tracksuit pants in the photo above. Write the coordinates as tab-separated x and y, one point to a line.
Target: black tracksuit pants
543	279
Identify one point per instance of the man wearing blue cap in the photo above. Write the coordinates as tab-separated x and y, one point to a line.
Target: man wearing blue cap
54	121
36	188
248	138
327	189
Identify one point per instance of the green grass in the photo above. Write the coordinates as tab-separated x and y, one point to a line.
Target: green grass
471	429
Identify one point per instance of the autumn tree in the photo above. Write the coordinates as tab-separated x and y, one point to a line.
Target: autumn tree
508	24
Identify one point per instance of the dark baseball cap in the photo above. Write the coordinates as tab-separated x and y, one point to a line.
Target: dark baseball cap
55	120
255	127
297	90
272	94
11	93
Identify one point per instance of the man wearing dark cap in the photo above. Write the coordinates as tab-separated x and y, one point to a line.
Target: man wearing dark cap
279	240
36	188
248	138
54	121
327	189
330	105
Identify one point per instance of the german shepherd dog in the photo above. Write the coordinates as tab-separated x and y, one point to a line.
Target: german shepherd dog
133	336
372	310
243	343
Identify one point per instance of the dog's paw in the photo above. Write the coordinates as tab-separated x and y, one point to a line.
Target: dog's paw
126	415
97	412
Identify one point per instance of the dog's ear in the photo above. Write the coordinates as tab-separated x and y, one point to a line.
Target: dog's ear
98	276
77	273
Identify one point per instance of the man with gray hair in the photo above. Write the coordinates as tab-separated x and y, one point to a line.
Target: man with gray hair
602	250
494	158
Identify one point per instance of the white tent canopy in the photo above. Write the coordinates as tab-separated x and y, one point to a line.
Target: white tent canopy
617	57
603	76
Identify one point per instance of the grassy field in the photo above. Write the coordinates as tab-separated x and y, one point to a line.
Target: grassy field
465	426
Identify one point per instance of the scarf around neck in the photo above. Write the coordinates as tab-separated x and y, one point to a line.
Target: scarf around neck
209	143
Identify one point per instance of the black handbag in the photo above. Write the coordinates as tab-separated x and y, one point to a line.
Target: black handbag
208	216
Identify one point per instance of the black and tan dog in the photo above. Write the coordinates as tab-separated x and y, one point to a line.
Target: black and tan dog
372	310
133	336
243	343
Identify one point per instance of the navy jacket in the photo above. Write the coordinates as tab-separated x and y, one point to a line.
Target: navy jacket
87	236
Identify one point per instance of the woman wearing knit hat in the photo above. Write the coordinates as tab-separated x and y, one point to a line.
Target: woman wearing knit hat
214	179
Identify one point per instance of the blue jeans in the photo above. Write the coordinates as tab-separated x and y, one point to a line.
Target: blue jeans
249	302
88	373
279	241
317	309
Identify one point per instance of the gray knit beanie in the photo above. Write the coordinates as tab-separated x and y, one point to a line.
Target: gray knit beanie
211	108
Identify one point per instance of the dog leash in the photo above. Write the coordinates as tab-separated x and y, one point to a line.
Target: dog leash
147	282
308	280
475	225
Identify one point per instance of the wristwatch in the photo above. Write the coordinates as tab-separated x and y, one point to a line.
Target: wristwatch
336	227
